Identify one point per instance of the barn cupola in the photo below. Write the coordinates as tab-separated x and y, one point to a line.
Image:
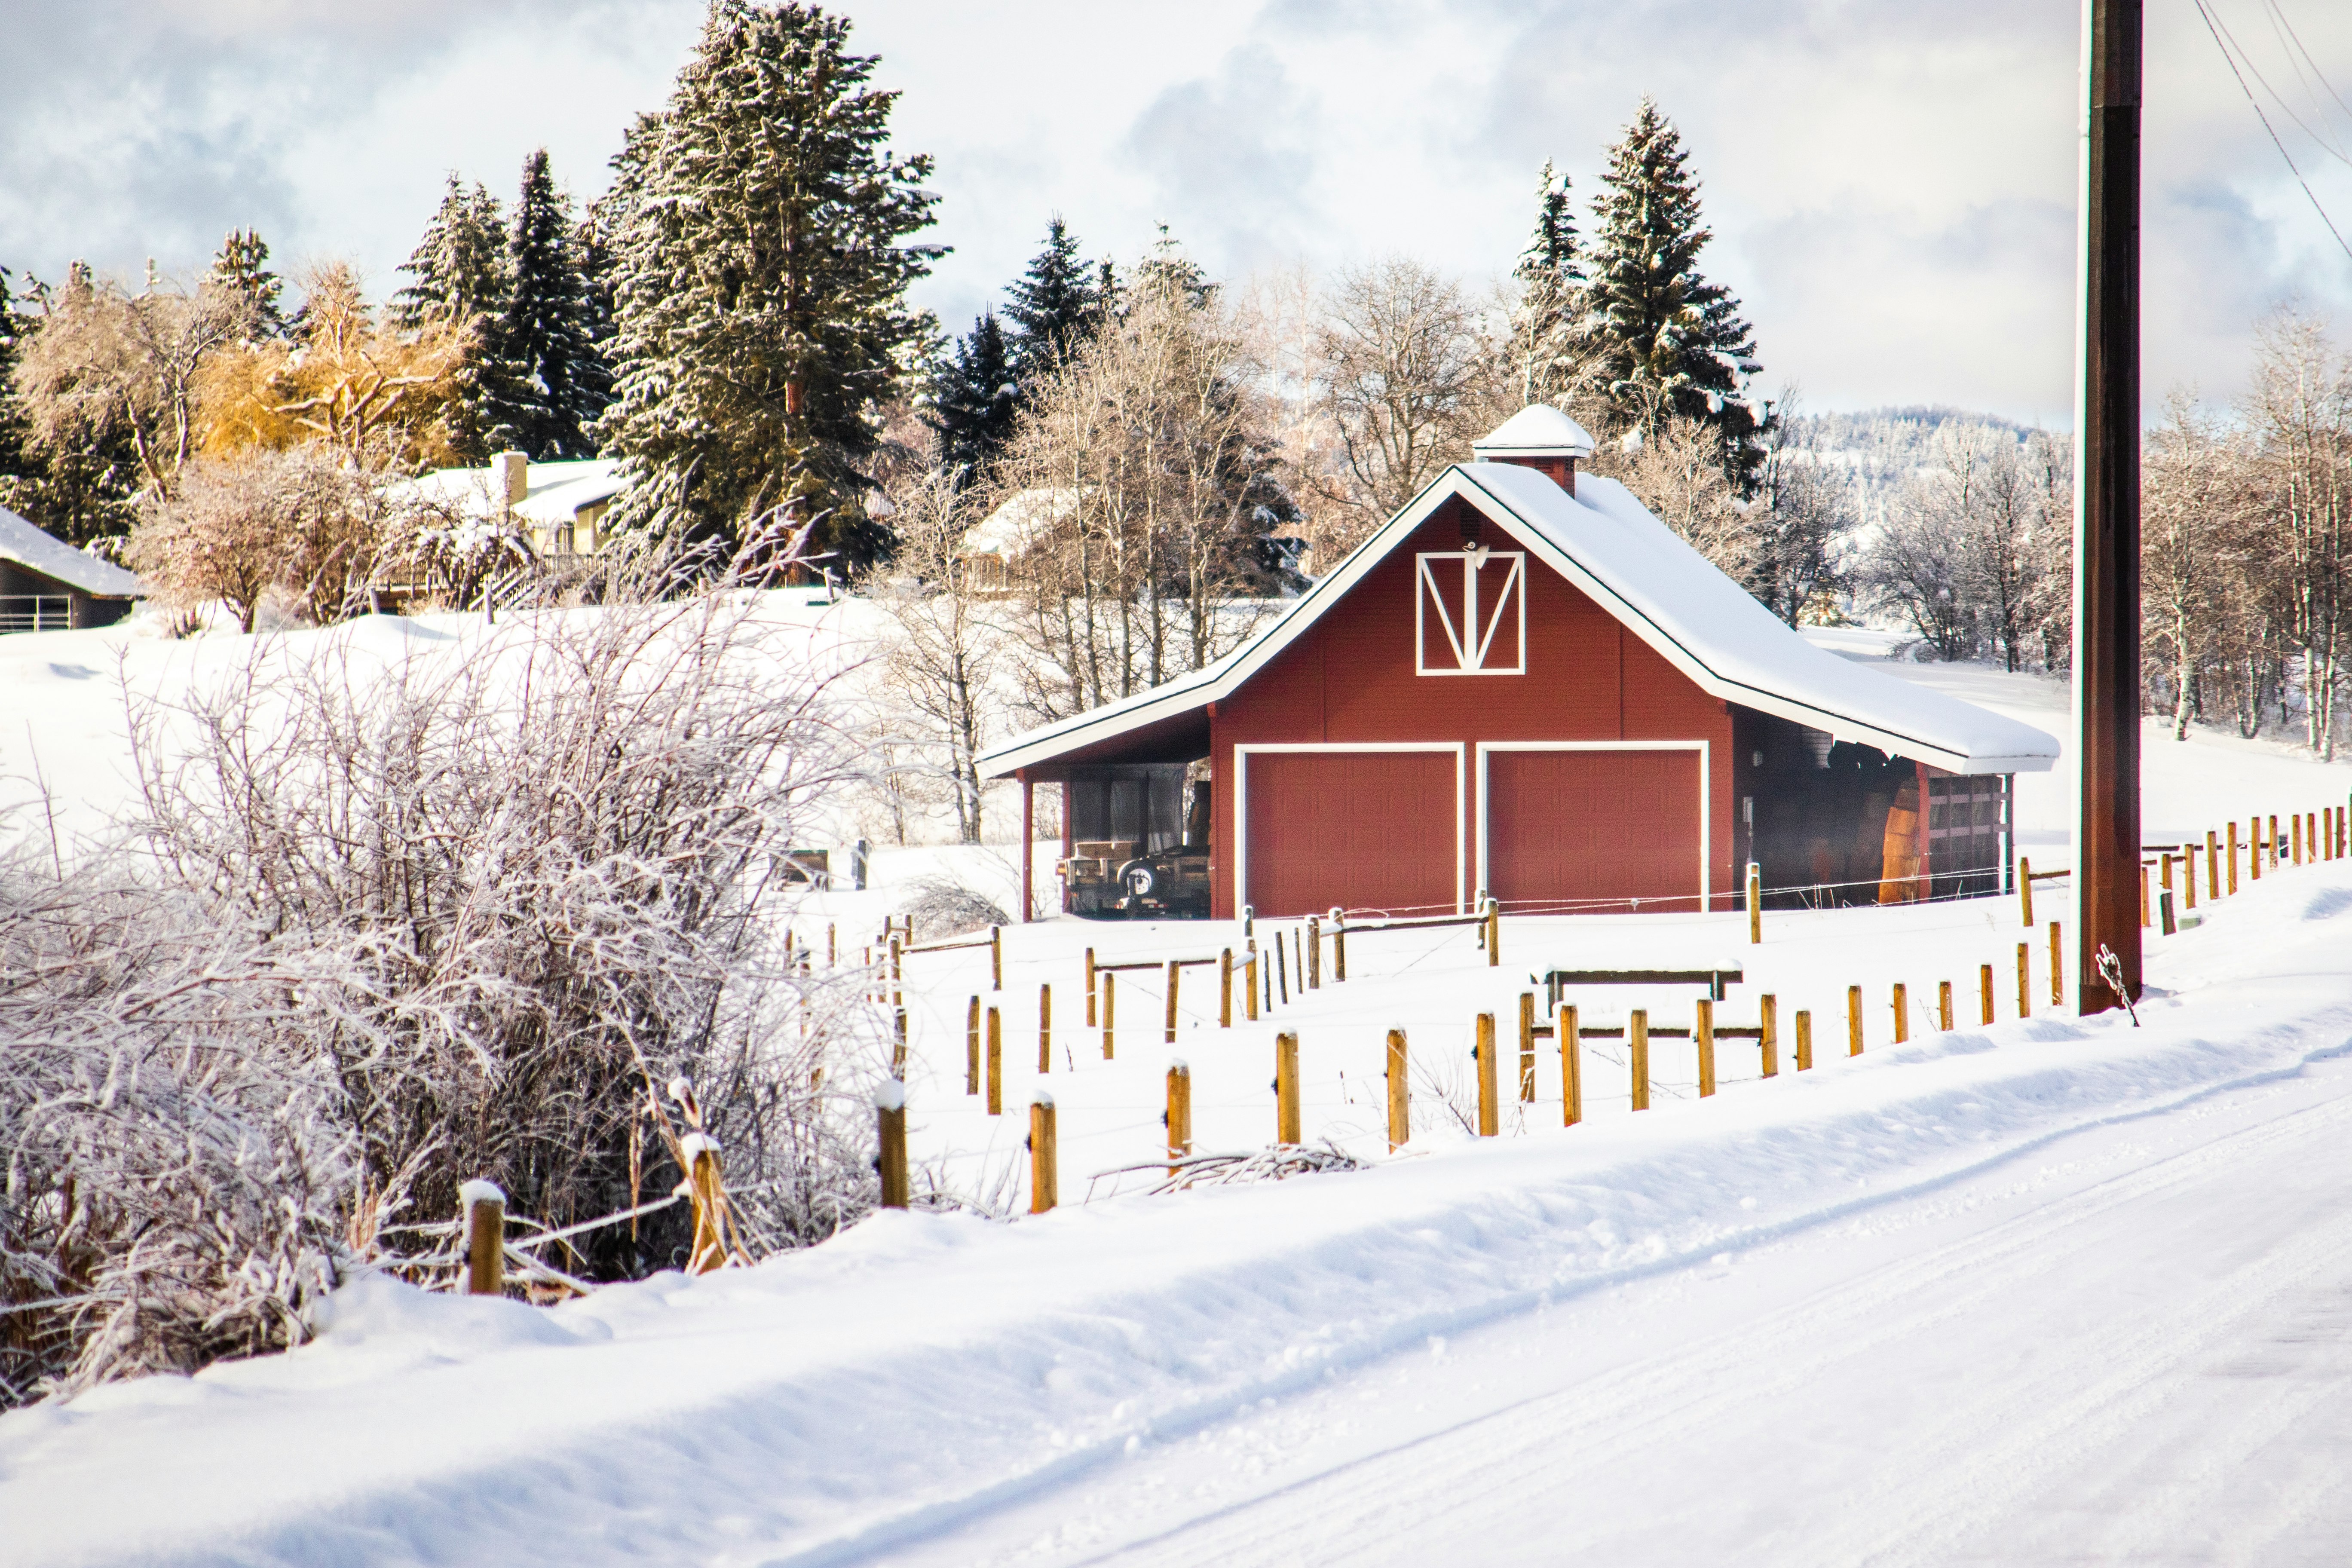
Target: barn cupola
1537	436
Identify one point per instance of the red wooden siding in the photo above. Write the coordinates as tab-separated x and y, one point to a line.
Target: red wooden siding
1358	829
1568	828
1351	678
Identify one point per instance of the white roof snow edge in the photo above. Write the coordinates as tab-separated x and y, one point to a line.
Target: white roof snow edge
29	544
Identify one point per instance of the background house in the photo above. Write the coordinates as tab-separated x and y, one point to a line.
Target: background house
46	584
559	508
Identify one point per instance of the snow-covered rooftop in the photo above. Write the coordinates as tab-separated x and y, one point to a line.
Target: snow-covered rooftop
29	545
1665	592
1015	525
556	492
1538	430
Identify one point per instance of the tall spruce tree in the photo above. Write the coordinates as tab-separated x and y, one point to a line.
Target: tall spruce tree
544	380
1055	306
974	399
759	226
459	275
1551	277
16	456
243	264
1663	339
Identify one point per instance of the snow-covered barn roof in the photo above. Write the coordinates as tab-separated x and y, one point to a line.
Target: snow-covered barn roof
1675	600
555	492
31	546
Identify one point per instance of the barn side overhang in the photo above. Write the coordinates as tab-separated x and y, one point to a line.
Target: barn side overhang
1605	542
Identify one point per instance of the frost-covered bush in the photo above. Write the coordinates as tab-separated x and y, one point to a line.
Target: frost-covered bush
941	908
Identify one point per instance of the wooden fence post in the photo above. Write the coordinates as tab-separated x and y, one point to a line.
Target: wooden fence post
1314	953
2233	855
2189	876
2212	865
1804	1040
1984	991
898	973
2294	828
890	1116
2165	922
971	1048
1768	1034
1226	988
1901	1014
996	958
1286	1089
1490	1110
1249	985
1338	945
1703	1030
2025	890
1526	1047
899	1038
1943	1004
2143	898
2024	981
1571	1064
1046	1027
1179	1109
1174	970
486	1237
831	947
1755	904
1854	1020
708	1251
1637	1054
1400	1094
1090	988
2275	842
1281	976
995	1063
1110	1003
2057	968
1045	1156
1249	922
1494	932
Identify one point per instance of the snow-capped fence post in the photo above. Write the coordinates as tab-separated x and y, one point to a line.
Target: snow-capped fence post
1490	1110
2057	967
1046	1027
1901	1014
971	1048
1854	1020
1943	1004
1090	988
2024	979
1494	932
1755	904
1804	1040
996	958
1400	1094
1703	1033
2025	890
1286	1089
1571	1066
486	1237
1174	969
1338	946
1768	1034
1637	1054
1314	953
1249	984
995	1063
1045	1176
1526	1047
890	1134
1179	1109
1984	991
1224	988
1110	1012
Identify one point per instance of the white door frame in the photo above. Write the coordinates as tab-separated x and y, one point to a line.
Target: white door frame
1706	812
1242	752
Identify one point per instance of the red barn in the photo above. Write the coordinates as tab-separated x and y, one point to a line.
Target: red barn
1526	684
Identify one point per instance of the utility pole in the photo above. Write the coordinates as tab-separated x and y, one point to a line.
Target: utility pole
2106	509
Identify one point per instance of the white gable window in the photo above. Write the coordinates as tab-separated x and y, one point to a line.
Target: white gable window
1470	613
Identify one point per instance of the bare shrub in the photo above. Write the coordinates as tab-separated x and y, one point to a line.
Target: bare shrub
303	523
942	909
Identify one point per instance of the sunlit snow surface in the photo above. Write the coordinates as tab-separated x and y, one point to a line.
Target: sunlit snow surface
2053	1290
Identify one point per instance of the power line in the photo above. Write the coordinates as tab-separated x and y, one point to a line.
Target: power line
2279	21
2214	28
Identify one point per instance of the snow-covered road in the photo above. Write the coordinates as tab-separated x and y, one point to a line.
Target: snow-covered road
2132	1344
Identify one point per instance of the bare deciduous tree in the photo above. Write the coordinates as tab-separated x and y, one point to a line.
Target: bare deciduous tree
939	669
1400	353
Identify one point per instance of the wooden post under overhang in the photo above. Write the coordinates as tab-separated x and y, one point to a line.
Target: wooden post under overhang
1028	843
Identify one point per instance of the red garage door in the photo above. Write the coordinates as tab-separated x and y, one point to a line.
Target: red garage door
1570	827
1359	829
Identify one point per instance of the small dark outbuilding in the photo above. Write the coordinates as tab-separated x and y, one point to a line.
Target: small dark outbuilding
46	584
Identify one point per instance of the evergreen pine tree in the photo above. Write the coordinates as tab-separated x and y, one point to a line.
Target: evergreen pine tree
1664	340
1543	328
459	272
973	400
17	459
243	264
1055	304
544	381
758	226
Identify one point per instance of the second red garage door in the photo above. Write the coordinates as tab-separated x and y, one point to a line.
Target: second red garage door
1362	831
1593	830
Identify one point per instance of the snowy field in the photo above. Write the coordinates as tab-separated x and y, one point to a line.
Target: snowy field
2047	1291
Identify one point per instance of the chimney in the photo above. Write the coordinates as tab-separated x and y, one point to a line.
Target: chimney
1537	436
510	477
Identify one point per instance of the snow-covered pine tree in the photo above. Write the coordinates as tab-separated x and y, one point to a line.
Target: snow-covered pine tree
545	380
1055	304
459	276
974	399
1664	340
759	226
1544	340
243	264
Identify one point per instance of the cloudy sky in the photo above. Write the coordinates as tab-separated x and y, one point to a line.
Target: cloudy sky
1891	182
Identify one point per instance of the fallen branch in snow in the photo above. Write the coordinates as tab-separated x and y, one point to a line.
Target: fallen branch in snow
1278	1163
